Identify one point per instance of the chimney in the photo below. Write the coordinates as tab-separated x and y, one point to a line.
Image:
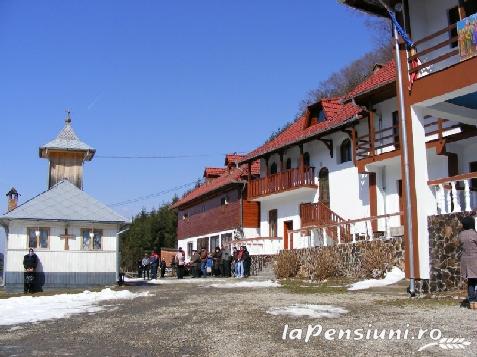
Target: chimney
12	199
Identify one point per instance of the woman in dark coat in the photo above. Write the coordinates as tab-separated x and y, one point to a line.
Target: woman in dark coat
468	260
30	262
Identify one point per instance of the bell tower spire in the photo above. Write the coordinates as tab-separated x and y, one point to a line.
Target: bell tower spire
66	154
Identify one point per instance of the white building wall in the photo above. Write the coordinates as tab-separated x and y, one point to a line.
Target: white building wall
92	265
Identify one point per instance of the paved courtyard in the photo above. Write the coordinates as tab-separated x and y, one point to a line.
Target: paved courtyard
197	319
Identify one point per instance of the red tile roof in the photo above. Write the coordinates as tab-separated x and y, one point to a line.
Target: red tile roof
214	171
381	76
336	113
233	158
228	177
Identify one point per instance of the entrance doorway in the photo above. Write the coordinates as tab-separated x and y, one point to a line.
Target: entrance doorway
288	241
324	187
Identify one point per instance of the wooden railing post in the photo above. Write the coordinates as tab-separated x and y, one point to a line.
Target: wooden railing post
372	141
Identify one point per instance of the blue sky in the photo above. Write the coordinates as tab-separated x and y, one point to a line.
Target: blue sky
159	78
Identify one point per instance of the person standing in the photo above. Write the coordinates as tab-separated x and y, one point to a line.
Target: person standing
30	262
468	260
239	271
217	257
139	268
180	261
234	261
163	266
203	262
154	263
195	263
247	262
145	266
225	266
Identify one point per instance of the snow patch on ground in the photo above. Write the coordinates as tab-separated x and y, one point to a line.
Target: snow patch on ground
390	277
247	284
23	309
307	310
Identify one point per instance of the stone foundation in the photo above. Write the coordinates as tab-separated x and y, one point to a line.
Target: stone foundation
444	253
354	260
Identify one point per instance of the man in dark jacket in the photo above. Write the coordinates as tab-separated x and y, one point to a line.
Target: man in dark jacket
195	263
217	257
163	267
30	262
247	262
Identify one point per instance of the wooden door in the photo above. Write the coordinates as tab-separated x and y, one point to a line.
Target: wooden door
288	241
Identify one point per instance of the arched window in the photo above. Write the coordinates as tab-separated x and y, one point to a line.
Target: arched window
345	151
273	169
306	159
288	164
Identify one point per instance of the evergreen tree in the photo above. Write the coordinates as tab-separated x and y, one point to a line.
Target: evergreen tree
148	231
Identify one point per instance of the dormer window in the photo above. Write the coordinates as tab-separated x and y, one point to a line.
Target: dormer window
316	115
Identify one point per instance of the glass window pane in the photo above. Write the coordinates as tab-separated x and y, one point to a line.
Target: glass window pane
31	238
97	240
86	240
43	238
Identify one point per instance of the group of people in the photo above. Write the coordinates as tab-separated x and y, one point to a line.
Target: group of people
221	263
148	266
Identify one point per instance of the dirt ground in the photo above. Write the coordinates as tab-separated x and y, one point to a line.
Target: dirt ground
195	319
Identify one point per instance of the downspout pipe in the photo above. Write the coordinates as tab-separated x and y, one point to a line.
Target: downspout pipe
405	159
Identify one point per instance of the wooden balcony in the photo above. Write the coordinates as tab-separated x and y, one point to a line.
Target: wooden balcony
318	214
281	182
388	139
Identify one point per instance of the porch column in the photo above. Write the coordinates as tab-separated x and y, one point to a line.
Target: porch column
301	160
372	139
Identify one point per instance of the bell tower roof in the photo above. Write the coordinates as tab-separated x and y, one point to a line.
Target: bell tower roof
67	140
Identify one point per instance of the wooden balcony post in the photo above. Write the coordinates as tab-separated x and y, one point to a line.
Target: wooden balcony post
353	140
461	7
302	161
267	171
372	141
249	166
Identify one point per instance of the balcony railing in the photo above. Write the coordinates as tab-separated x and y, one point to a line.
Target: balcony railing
282	181
388	139
456	193
318	214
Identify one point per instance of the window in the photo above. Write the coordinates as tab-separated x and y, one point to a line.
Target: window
203	243
306	159
38	238
224	200
288	164
470	8
214	243
272	223
273	169
226	238
190	246
345	151
91	242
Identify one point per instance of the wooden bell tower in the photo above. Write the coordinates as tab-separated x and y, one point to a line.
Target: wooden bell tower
66	155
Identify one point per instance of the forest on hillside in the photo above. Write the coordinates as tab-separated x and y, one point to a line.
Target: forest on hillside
149	231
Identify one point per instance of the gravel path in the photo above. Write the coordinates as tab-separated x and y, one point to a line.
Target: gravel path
198	320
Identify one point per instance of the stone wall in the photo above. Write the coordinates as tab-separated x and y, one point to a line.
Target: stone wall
444	253
366	259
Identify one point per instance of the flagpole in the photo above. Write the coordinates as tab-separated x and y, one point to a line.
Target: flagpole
405	158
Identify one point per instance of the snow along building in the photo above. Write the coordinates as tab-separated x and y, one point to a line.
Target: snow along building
74	235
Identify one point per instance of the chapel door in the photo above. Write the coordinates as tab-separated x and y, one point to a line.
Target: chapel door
324	187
